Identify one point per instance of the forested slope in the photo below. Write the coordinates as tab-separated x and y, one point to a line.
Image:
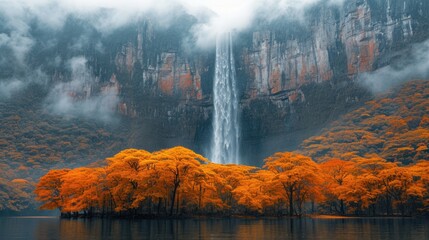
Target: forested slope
33	141
394	126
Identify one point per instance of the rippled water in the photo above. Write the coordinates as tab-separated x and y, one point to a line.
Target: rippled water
55	228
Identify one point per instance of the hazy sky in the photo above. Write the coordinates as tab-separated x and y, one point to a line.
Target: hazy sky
219	15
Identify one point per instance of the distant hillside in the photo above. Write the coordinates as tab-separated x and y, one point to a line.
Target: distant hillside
32	142
394	126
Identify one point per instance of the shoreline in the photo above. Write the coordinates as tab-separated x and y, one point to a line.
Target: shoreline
214	217
323	216
220	217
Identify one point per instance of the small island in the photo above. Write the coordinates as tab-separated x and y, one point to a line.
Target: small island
178	182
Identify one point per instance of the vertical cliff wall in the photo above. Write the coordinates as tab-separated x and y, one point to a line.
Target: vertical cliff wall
332	43
299	75
294	75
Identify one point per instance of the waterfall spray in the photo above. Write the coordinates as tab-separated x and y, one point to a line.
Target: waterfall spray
226	131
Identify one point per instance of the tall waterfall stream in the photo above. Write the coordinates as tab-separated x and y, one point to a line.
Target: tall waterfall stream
226	129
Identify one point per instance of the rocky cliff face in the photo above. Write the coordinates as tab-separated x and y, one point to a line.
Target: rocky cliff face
295	76
307	74
333	43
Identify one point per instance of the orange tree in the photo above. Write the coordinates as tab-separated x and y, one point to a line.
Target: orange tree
178	165
124	179
48	190
336	173
296	175
83	190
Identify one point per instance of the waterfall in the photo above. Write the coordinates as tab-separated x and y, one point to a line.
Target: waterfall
226	130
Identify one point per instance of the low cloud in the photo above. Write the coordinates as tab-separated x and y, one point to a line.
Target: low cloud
15	35
229	16
414	66
11	86
213	16
78	97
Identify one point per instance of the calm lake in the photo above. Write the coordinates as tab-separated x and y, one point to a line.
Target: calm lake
360	229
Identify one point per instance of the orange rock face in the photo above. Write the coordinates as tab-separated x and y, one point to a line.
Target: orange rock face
275	80
274	67
185	81
367	55
176	78
166	74
341	47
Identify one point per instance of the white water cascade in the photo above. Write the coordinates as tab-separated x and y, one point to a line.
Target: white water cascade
226	130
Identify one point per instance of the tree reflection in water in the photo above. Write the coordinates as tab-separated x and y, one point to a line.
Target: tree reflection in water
273	228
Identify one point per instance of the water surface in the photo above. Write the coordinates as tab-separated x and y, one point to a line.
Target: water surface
75	229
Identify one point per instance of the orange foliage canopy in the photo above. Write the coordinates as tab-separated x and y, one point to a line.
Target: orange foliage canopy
48	189
179	181
394	126
296	175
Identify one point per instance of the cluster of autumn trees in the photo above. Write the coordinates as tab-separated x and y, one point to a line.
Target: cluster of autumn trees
16	194
394	126
177	181
35	142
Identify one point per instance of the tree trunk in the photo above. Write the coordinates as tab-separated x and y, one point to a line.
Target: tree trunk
313	210
388	206
199	199
290	202
177	203
173	198
149	210
159	205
